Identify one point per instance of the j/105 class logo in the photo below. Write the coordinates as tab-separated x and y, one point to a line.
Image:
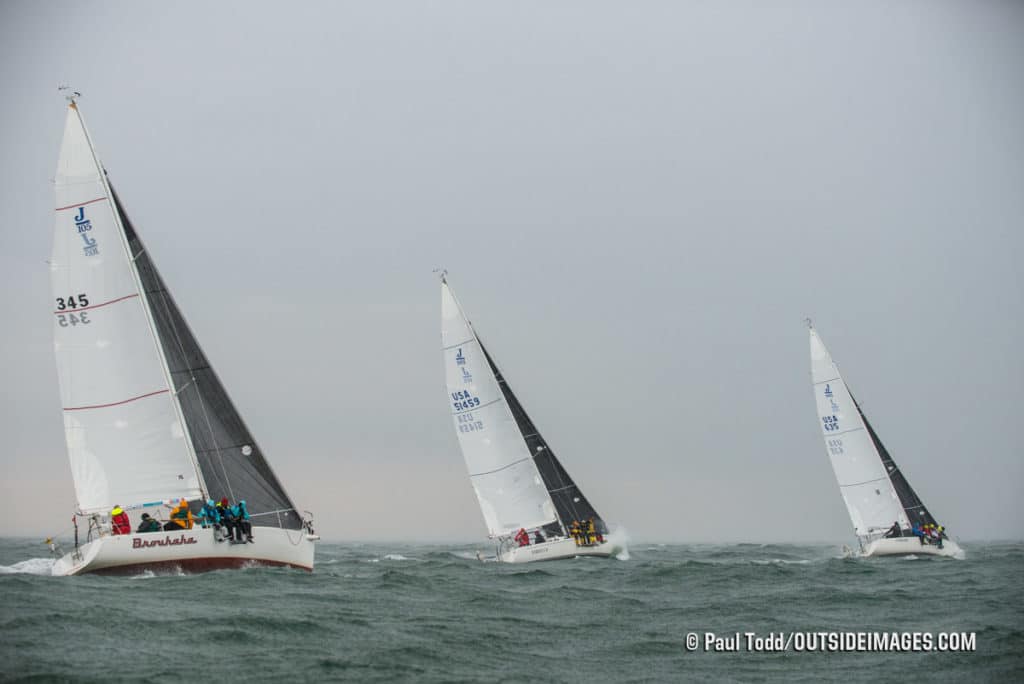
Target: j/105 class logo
84	225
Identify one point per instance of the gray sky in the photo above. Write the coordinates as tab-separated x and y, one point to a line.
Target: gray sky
638	204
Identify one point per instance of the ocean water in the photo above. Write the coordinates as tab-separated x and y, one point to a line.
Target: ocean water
393	612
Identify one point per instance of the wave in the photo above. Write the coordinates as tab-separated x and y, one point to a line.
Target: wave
32	566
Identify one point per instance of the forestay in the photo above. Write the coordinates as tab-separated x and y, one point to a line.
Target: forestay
870	497
506	480
125	437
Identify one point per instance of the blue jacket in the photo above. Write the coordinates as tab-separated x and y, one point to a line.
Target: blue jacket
209	515
240	511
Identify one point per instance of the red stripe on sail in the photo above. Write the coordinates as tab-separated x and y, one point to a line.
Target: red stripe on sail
116	403
75	206
95	306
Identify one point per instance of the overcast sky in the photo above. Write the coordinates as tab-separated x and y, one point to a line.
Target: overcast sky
637	203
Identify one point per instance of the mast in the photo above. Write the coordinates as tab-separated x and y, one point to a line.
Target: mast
73	104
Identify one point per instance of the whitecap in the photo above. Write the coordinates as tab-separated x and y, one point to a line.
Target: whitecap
32	566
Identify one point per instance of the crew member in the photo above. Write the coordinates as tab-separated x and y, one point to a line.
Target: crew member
241	515
148	524
574	530
181	518
119	522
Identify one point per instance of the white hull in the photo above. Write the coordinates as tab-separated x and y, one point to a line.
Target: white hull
911	546
557	549
194	550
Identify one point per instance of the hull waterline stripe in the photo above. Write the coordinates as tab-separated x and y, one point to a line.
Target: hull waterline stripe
94	306
116	403
81	204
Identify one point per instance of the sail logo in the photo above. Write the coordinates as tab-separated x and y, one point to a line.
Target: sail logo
166	541
84	225
831	401
460	360
467	377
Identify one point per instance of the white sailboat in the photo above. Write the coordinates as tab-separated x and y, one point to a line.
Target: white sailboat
883	506
147	422
520	485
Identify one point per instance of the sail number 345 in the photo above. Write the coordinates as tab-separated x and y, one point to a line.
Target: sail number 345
69	304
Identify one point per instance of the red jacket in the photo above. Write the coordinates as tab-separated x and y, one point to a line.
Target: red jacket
121	523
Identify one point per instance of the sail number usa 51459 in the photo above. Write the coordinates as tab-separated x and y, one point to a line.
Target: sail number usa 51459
463	400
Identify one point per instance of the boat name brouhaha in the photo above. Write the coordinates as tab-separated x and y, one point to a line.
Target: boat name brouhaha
143	543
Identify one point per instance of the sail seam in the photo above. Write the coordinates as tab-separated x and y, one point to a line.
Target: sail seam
94	306
116	403
824	381
857	484
841	432
81	204
498	470
493	401
460	344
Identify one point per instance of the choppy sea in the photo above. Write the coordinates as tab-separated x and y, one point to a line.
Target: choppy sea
394	612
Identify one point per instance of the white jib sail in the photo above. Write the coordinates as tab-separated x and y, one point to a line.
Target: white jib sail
867	490
501	468
125	439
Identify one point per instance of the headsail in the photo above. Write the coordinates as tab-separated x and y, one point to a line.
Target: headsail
507	484
125	436
870	497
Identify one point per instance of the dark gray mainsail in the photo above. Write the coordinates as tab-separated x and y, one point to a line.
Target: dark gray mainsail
231	463
570	504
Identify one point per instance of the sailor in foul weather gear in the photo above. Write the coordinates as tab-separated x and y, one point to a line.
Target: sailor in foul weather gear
241	514
181	518
522	538
591	532
538	538
148	524
119	522
574	530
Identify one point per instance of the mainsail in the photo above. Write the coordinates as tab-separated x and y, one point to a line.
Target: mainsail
875	491
146	419
517	479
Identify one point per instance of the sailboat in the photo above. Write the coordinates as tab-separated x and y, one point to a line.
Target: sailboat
522	488
146	420
883	506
